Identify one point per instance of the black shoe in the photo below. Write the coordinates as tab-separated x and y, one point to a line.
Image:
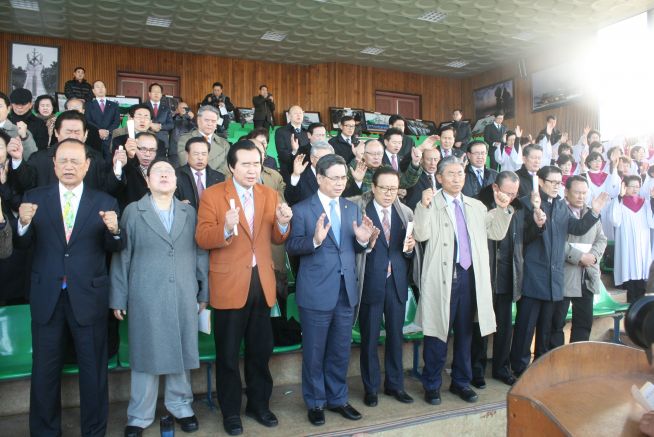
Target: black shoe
479	383
346	411
400	395
433	397
465	393
264	417
506	379
133	431
233	425
317	416
370	399
188	424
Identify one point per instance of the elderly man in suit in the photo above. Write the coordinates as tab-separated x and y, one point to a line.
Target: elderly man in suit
456	275
326	234
208	118
264	108
532	156
6	246
429	164
291	140
581	271
237	221
162	120
346	140
71	228
160	263
477	175
102	113
196	176
303	182
494	136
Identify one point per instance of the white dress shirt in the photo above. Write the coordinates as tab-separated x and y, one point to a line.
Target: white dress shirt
74	203
380	213
451	212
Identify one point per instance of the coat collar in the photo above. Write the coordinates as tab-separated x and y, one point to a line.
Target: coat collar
150	217
258	193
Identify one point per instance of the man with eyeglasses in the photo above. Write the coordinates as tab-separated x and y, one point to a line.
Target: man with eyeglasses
136	185
345	142
208	118
196	175
477	175
142	116
544	258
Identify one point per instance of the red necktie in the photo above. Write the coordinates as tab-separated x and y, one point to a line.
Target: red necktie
156	109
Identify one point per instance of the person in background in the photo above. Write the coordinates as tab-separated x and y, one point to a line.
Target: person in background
196	176
104	114
462	128
45	109
18	132
183	121
6	246
207	120
21	111
222	103
494	136
508	156
78	87
261	136
162	121
264	108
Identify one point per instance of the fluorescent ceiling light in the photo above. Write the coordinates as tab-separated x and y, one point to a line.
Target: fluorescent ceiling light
158	21
433	16
27	5
372	50
274	36
457	64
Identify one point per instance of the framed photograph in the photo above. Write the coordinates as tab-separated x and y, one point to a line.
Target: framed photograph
309	117
421	128
376	122
34	67
124	102
335	114
61	101
246	115
554	87
495	98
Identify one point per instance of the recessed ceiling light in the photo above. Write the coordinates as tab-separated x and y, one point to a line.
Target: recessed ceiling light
27	5
158	21
274	36
457	64
433	16
524	36
372	50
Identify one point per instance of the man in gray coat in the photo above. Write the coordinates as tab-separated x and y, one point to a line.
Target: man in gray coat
161	278
581	272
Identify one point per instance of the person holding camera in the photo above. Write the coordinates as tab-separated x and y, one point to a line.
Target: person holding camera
220	101
264	107
183	121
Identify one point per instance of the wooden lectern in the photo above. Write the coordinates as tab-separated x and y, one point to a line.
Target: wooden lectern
581	389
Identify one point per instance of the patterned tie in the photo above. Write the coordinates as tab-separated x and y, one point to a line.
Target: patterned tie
298	130
248	210
480	177
386	224
432	179
199	183
394	162
68	214
156	109
335	221
349	141
102	105
465	260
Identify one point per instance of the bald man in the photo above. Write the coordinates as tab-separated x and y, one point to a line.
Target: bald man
291	140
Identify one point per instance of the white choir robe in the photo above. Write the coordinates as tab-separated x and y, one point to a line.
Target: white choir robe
511	162
548	153
633	251
611	186
645	190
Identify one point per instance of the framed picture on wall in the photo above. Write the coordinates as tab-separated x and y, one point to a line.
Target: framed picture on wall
376	122
555	87
495	98
34	67
335	114
309	117
421	128
61	101
246	115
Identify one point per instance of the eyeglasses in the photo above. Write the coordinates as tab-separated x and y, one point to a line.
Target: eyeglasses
146	150
377	154
337	178
386	190
554	183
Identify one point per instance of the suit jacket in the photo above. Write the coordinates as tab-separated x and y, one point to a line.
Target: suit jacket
263	108
6	247
135	186
306	187
463	132
35	126
526	182
109	119
342	148
187	188
82	260
321	268
165	117
493	135
471	187
120	140
217	154
414	194
230	261
456	151
285	156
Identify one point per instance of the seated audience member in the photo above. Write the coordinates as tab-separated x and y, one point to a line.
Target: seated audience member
93	139
601	182
163	338
291	140
261	136
78	87
462	129
429	164
581	272
136	168
103	114
494	136
222	103
183	121
207	121
633	220
6	246
531	157
264	108
316	132
18	130
447	143
564	162
142	116
45	109
196	176
162	121
21	111
398	122
303	182
508	156
345	142
477	175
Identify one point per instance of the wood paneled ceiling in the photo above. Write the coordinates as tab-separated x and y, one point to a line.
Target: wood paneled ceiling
481	34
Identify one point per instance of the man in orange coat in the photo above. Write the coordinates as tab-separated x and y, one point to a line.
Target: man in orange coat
237	222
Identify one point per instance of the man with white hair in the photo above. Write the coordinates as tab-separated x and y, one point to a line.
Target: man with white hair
207	119
290	141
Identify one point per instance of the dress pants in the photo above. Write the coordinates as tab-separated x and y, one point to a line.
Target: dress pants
533	315
252	324
635	289
262	123
48	353
502	304
370	318
144	389
462	311
582	318
326	342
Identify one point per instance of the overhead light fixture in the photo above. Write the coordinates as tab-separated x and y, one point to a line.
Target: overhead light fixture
433	16
274	36
158	22
372	51
457	64
524	36
26	5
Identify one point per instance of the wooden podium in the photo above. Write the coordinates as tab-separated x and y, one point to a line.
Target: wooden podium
581	389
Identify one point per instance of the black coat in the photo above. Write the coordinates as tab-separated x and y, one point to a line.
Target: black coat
463	132
135	185
120	140
187	188
285	156
35	125
263	108
493	135
76	89
305	188
414	194
526	182
471	187
342	148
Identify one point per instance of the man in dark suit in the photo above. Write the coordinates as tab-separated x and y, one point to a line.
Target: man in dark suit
462	128
398	122
447	143
303	182
222	103
196	176
103	114
162	121
264	108
477	175
494	136
327	258
290	141
93	139
142	115
71	228
343	142
383	275
531	157
21	110
135	171
429	164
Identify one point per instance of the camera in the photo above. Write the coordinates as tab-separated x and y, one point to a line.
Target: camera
187	110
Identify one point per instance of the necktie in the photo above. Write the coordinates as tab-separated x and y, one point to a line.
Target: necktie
68	214
102	105
432	179
480	177
207	137
349	141
248	210
156	109
199	183
463	240
298	130
394	162
386	225
335	221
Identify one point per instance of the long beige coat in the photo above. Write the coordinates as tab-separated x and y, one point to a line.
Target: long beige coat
435	226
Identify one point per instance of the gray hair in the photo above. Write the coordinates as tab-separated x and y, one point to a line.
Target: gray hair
321	145
506	175
209	108
327	162
448	160
73	99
